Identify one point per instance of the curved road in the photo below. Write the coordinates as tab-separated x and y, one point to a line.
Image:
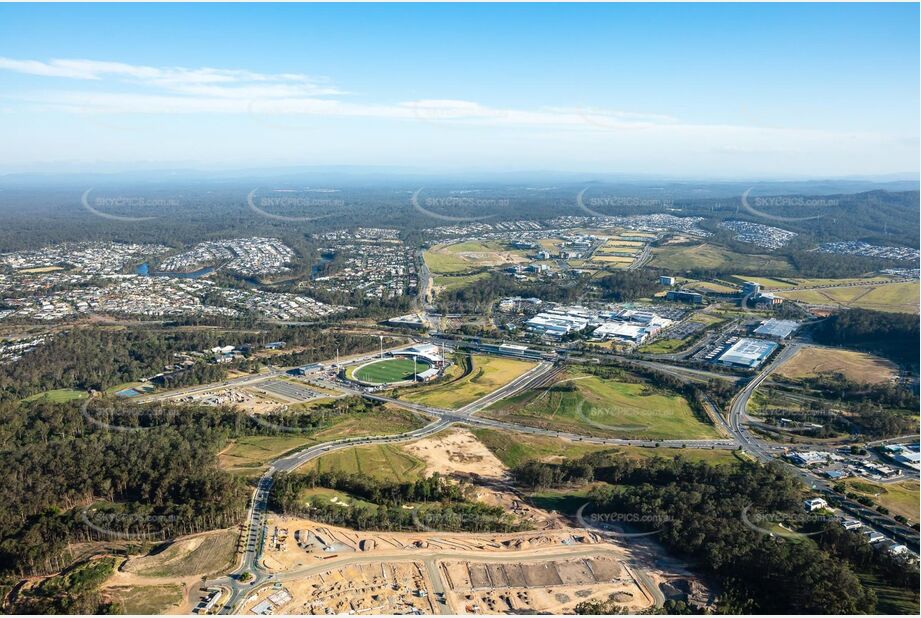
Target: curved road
754	446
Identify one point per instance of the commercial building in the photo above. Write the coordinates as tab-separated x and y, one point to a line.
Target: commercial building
510	349
559	322
669	281
517	303
809	458
681	296
630	325
622	331
777	329
765	300
747	353
305	370
750	287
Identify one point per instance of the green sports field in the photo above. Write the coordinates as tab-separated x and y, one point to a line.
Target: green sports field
389	370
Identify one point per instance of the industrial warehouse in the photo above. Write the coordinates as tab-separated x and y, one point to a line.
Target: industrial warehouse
747	353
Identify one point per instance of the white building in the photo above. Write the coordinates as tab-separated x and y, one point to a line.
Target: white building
814	504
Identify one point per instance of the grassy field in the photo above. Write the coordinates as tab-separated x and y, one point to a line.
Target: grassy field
892	297
317	495
662	346
198	555
591	405
454	282
145	599
901	498
612	259
891	600
767	282
249	455
123	386
514	449
855	366
488	374
381	461
61	395
708	286
389	370
386	421
39	270
680	258
469	256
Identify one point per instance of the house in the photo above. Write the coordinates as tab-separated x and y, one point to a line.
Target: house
814	504
896	549
851	524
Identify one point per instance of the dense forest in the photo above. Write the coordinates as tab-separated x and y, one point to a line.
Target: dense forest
157	482
626	285
893	335
436	503
97	472
875	410
479	296
697	510
186	210
96	359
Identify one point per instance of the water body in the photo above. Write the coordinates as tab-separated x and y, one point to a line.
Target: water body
144	271
322	259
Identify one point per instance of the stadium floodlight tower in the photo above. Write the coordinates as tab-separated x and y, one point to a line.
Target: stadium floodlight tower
415	376
382	345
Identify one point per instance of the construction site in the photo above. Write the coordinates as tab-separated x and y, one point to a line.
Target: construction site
331	570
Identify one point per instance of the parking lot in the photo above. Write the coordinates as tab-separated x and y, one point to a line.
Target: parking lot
289	390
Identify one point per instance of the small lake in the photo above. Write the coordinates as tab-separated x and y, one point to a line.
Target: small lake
322	260
144	271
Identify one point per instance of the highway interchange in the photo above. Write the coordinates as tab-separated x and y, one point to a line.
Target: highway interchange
738	436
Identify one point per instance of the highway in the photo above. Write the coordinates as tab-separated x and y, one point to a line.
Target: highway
543	374
254	527
754	446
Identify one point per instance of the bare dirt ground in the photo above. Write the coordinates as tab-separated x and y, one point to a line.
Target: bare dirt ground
189	584
459	455
373	587
184	562
551	586
244	398
387	573
309	542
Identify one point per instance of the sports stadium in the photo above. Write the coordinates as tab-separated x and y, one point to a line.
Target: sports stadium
419	363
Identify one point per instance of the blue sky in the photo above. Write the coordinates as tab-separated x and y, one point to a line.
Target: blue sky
709	91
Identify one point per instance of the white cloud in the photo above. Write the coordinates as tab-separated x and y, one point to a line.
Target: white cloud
278	99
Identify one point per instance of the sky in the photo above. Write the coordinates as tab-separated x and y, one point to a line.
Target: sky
702	91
